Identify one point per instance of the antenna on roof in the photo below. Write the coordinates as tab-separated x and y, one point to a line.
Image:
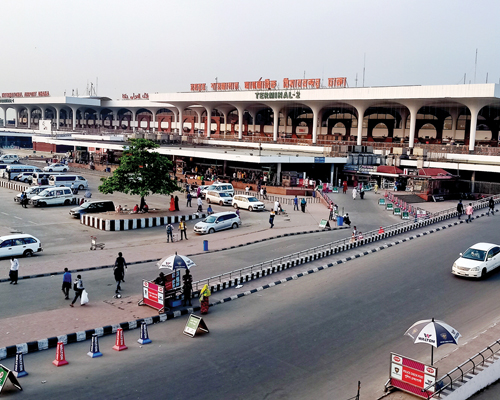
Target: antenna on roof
364	63
475	67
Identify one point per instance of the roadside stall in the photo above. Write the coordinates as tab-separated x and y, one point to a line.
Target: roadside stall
165	292
432	184
386	176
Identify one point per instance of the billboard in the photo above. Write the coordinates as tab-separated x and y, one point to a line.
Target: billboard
412	376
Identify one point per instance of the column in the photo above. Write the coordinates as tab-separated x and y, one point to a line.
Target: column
241	111
74	109
278	174
332	167
29	117
276	121
114	122
473	180
17	118
361	114
413	123
58	117
154	120
208	129
4	116
404	116
225	114
134	118
200	124
474	110
315	110
454	120
181	116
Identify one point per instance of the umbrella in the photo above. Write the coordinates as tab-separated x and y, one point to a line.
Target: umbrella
176	261
435	333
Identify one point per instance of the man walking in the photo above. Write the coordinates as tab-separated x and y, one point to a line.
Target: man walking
66	284
189	197
187	288
170	230
295	203
14	271
468	211
121	264
183	228
118	273
271	218
200	204
78	288
460	208
491	205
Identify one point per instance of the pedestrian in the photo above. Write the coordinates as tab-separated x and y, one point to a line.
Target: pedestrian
247	190
204	298
331	212
295	203
271	218
183	228
354	193
265	193
172	204
491	205
355	231
78	288
66	284
303	204
376	188
189	197
468	211
362	193
118	273
344	187
14	270
262	192
121	264
170	230
276	207
176	203
198	192
200	205
187	288
347	220
23	199
460	209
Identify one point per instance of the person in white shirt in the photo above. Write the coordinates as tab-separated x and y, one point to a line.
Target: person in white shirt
276	208
14	270
247	190
200	204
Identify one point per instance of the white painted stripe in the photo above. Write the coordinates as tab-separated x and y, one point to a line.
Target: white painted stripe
99	331
17	217
63	338
4	213
132	324
115	328
31	222
43	344
148	320
81	336
3	353
22	348
176	314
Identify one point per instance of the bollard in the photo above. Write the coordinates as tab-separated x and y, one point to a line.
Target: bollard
120	341
144	338
60	356
205	245
94	347
19	371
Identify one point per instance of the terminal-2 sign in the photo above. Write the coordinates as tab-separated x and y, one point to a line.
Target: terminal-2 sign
277	95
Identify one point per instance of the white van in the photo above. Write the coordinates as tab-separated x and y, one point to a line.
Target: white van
32	191
15	170
219	187
78	182
53	196
9	159
220	198
38	176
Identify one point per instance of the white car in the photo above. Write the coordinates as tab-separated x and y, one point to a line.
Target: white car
477	260
56	168
19	245
218	222
222	198
246	202
26	177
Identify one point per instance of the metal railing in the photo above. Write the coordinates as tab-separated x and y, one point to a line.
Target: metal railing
458	373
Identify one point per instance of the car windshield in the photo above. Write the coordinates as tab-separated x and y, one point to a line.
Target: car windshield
85	205
253	199
44	193
211	187
210	220
474	254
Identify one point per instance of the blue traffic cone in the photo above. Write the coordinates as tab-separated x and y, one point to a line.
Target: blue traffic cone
144	334
19	366
94	347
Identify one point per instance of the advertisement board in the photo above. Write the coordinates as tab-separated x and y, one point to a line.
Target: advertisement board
153	295
412	376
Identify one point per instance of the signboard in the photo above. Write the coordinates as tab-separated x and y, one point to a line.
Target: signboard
193	324
319	159
412	376
405	215
390	206
324	224
5	374
381	202
397	211
421	214
173	280
153	295
335	189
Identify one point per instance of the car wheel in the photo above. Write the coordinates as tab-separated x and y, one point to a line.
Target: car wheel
67	202
65	170
211	230
235	205
25	181
80	187
221	203
483	273
42	204
235	225
50	169
250	208
28	253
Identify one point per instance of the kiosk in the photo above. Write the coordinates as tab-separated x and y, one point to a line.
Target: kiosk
162	294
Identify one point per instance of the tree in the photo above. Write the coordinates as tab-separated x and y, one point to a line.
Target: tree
142	172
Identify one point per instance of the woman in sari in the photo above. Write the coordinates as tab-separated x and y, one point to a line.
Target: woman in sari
204	295
172	204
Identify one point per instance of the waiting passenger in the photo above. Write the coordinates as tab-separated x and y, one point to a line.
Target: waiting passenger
119	209
209	210
136	209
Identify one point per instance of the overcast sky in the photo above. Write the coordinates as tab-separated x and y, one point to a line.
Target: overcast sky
163	46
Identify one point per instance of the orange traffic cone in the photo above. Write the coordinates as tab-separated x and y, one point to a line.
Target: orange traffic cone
60	356
120	341
381	230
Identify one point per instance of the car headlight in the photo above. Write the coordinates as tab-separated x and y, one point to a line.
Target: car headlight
454	265
475	269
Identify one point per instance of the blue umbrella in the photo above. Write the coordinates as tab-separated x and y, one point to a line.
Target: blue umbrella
176	261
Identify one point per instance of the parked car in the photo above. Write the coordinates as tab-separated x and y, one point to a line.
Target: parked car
32	191
26	177
246	202
56	168
97	206
77	181
55	196
218	222
220	198
14	170
194	191
9	159
219	187
19	244
477	260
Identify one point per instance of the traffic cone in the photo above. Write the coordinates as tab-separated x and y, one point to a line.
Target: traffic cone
381	230
60	356
120	341
144	339
19	371
94	347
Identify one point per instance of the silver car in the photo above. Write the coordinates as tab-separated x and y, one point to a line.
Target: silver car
218	222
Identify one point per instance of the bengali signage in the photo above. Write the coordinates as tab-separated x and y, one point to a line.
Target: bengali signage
193	324
44	93
153	295
133	96
412	376
405	215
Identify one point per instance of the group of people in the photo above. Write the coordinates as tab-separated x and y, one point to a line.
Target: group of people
303	204
469	210
182	229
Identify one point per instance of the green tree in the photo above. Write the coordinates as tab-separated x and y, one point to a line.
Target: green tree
142	172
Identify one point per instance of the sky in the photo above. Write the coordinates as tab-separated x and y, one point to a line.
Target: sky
130	46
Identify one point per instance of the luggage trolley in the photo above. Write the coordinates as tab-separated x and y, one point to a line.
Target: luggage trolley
94	245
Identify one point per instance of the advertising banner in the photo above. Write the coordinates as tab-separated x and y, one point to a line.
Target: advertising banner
153	294
412	376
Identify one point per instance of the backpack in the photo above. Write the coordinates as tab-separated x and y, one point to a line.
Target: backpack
75	285
169	228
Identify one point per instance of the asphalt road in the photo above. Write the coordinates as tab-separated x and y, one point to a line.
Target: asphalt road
313	337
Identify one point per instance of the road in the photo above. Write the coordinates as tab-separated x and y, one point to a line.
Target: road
313	337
